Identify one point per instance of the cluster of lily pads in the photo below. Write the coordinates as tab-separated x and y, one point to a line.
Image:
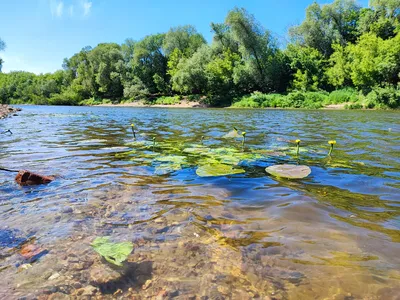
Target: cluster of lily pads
170	156
167	157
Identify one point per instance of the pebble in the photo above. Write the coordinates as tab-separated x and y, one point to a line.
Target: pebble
54	276
147	284
67	210
88	291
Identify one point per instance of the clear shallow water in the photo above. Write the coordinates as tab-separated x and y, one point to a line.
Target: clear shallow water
334	234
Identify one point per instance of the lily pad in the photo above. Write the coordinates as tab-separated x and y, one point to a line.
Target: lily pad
195	150
289	171
217	170
175	159
115	253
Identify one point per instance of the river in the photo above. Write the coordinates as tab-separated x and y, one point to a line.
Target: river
332	235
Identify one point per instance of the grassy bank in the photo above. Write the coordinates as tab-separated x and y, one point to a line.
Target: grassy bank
348	98
379	98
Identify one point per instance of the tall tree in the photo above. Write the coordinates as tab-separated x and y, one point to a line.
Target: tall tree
328	24
257	48
149	60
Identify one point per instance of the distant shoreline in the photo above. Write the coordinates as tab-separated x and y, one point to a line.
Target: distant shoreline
182	104
195	104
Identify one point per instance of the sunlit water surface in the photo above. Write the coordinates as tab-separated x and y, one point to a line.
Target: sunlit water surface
332	235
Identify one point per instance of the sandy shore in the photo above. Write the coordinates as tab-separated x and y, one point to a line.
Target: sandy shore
182	104
335	106
6	110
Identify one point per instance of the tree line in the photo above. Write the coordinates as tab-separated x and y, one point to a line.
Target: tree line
341	52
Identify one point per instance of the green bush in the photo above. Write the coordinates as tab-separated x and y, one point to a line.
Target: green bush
343	95
295	99
272	100
353	106
194	97
383	97
167	100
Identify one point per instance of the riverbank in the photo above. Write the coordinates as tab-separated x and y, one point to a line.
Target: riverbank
189	104
181	104
6	111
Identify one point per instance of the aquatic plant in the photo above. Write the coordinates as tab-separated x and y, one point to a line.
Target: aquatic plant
244	138
133	130
114	253
298	147
154	142
214	170
289	171
331	149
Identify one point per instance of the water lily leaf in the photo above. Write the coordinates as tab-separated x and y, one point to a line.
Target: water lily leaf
289	171
176	159
115	253
125	154
140	144
195	150
217	170
232	134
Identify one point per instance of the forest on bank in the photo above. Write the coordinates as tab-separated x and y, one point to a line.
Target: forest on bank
340	53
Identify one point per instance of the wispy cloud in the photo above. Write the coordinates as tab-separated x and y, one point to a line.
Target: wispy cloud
87	6
62	9
56	8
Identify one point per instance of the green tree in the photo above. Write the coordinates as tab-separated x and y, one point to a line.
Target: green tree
148	60
328	24
191	77
308	67
382	18
257	48
374	61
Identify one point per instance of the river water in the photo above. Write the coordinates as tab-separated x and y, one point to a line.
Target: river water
332	235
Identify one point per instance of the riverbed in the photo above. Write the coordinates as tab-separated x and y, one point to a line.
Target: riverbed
332	235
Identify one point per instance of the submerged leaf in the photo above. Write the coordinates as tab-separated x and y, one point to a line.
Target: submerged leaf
217	170
114	253
289	171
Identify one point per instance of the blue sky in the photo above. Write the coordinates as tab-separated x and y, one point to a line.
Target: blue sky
40	33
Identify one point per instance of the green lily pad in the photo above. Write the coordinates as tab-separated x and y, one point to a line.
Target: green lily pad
217	170
289	171
175	159
139	144
114	253
195	150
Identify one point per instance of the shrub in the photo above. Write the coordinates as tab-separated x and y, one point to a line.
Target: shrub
353	106
343	95
165	100
383	97
272	100
68	97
